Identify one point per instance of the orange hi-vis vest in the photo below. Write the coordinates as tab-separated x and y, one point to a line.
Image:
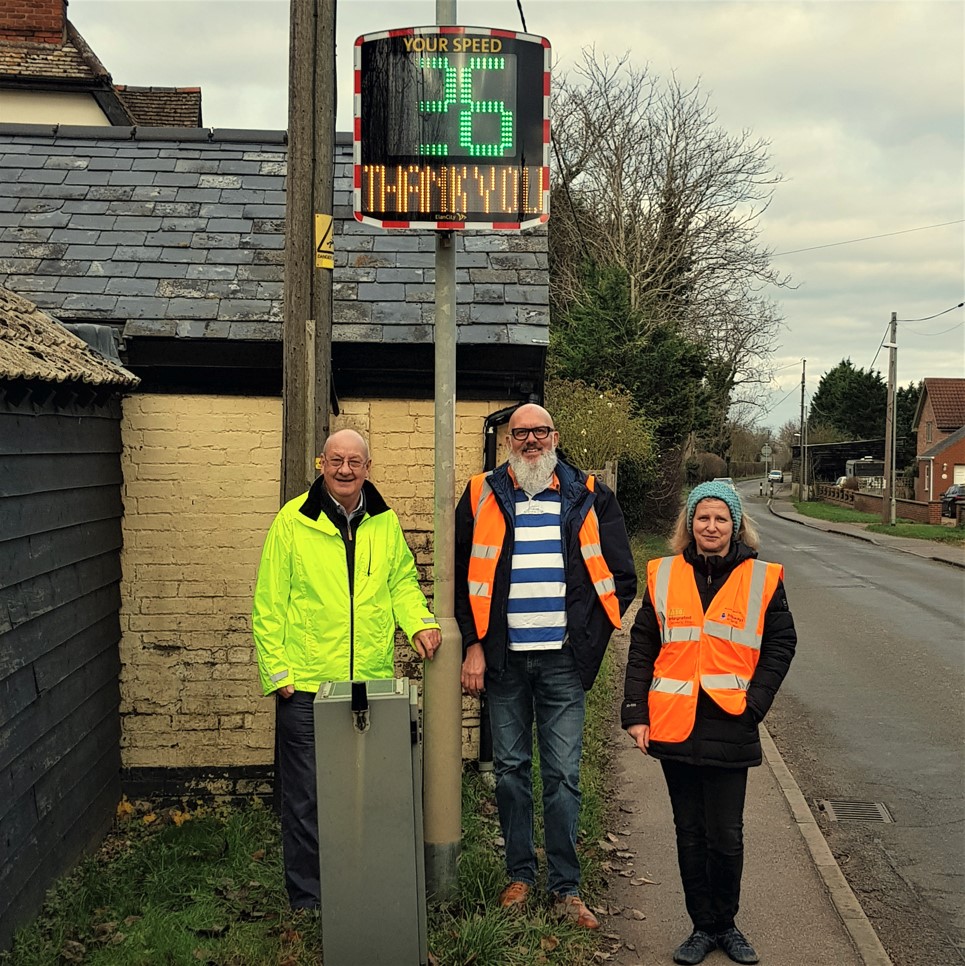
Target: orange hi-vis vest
717	651
488	536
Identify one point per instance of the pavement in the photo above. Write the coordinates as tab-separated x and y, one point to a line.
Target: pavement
796	907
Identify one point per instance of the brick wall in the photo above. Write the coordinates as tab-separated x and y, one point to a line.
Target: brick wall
913	510
33	21
201	483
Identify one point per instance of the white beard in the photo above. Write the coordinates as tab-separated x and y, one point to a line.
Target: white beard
534	477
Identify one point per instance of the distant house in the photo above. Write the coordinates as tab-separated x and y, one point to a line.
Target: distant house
49	75
940	451
174	239
60	571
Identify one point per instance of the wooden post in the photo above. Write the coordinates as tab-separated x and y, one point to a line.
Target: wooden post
307	324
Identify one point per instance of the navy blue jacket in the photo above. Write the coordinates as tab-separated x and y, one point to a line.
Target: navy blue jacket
587	625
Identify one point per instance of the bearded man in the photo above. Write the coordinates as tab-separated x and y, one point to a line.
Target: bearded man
544	574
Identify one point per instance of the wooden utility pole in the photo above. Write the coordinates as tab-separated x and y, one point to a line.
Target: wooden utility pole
802	495
888	503
307	330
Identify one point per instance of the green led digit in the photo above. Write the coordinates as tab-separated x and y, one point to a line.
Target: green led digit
449	84
471	107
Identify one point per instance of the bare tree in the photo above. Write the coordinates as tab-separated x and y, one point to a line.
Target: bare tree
645	178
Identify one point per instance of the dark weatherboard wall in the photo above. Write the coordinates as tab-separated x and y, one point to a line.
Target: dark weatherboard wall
60	538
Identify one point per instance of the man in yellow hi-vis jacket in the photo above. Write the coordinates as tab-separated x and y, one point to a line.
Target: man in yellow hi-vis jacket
336	577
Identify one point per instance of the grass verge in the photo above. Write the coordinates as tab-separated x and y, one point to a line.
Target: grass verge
183	887
902	528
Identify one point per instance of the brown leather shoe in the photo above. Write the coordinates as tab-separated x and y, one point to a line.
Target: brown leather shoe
574	909
514	896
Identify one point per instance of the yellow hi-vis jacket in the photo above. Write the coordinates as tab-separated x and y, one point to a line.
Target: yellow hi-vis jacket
488	536
311	622
716	651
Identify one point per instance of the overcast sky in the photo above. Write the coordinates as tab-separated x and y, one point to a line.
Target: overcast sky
863	102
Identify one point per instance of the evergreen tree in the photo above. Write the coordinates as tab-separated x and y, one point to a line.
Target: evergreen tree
850	401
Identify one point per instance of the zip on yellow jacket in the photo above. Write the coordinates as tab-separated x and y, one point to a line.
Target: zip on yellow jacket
308	625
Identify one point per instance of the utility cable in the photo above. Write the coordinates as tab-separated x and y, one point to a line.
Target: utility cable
935	316
852	241
522	16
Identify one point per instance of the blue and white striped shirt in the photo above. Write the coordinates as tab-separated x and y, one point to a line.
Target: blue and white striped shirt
536	615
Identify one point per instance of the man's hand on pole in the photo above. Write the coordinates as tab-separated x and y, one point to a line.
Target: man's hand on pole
427	642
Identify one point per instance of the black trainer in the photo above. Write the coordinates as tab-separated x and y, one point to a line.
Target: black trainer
694	948
735	944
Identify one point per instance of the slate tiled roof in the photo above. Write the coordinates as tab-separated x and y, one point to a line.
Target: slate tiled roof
180	232
948	402
33	346
162	106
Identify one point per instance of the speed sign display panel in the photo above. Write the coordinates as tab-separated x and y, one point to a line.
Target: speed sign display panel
452	128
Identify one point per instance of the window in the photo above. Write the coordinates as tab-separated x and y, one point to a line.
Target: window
928	432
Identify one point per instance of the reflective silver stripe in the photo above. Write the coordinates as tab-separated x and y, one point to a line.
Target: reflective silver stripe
483	551
484	491
747	635
280	675
591	550
738	635
479	589
684	633
671	686
604	586
661	587
729	682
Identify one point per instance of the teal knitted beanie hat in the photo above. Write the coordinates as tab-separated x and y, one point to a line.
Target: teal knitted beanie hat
716	490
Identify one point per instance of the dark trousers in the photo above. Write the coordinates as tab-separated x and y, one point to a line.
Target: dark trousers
295	775
708	813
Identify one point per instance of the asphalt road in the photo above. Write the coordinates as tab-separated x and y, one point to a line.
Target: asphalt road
872	711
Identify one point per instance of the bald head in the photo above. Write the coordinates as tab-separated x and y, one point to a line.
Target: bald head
530	415
349	438
345	467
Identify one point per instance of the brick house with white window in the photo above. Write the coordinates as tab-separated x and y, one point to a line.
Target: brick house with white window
939	419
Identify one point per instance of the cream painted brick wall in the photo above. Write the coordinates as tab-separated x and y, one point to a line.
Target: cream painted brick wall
201	485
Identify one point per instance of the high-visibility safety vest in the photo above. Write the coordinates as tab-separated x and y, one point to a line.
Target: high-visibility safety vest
717	651
488	536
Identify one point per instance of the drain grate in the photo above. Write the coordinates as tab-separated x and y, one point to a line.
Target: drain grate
840	811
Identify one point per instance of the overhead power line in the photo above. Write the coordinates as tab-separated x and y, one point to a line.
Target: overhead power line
935	316
852	241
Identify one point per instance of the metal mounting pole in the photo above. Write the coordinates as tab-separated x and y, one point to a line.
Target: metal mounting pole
443	693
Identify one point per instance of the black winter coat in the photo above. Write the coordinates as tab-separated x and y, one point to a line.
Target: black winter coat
588	628
718	738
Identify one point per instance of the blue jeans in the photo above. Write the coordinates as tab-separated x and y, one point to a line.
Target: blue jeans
548	684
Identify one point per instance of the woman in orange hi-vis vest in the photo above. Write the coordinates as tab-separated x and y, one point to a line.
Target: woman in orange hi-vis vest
710	646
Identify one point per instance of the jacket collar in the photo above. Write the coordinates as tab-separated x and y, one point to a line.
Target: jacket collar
314	500
714	567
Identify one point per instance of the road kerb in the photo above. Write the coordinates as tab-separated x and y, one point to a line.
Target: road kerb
859	927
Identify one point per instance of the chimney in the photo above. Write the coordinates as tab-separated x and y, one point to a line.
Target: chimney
33	22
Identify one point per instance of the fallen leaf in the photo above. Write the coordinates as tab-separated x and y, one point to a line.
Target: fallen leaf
643	880
612	838
258	855
637	914
73	952
549	943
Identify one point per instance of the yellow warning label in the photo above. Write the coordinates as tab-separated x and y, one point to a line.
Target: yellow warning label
324	242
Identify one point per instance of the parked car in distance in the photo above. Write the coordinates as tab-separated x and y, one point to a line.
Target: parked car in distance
952	497
727	480
775	476
840	481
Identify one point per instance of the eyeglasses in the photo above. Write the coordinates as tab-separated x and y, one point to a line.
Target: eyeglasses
337	462
539	432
